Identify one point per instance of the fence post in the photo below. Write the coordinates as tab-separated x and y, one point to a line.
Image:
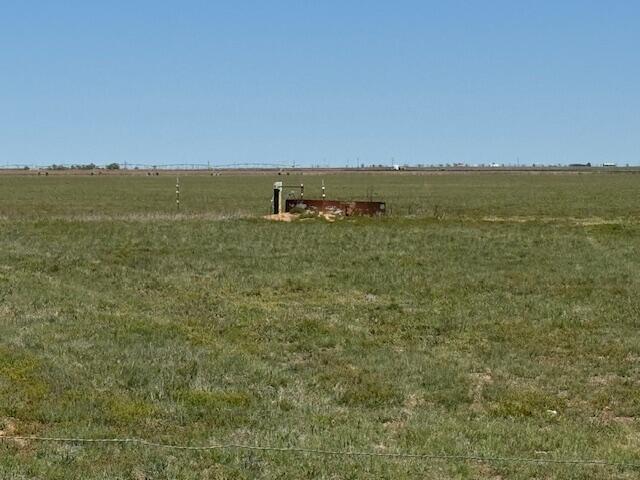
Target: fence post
277	197
177	193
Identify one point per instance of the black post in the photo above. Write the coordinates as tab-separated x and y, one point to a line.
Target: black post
276	200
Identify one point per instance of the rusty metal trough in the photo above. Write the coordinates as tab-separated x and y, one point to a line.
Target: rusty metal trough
336	207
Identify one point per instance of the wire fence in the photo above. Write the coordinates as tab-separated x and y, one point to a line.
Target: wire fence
325	452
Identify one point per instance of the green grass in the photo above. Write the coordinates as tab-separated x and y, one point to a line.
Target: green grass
489	314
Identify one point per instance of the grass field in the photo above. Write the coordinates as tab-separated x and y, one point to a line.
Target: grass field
491	315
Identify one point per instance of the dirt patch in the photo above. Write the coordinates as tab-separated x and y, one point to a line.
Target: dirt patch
509	219
411	403
8	429
583	222
290	217
608	417
478	382
484	470
590	222
282	217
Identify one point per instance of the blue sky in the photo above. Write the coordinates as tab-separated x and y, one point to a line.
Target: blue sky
331	82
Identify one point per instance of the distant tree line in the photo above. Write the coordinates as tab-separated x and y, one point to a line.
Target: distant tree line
83	166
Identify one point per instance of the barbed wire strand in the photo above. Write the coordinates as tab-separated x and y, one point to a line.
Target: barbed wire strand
318	451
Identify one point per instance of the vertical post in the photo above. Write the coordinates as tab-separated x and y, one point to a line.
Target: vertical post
177	193
277	197
301	191
323	195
